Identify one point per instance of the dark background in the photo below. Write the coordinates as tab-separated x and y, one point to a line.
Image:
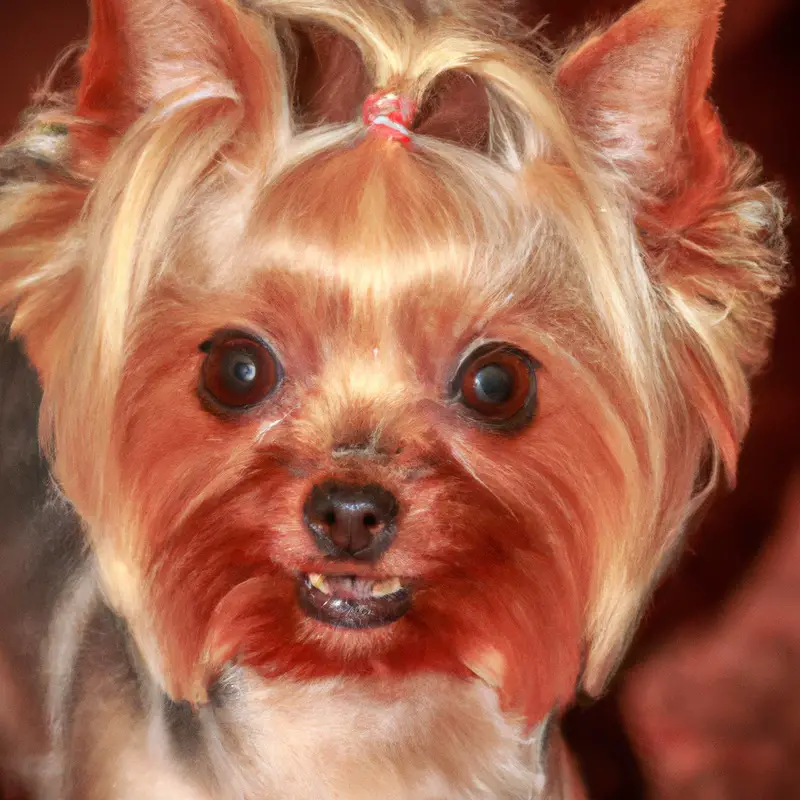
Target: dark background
707	706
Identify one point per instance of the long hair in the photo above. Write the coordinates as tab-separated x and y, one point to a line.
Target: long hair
645	269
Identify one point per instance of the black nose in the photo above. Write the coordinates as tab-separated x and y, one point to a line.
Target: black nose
350	521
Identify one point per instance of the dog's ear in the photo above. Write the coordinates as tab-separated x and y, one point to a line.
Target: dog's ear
166	86
710	230
181	79
637	91
146	52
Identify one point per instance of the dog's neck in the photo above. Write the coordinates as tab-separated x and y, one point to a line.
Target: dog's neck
429	736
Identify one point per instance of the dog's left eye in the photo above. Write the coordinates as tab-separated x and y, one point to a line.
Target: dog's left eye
239	372
497	384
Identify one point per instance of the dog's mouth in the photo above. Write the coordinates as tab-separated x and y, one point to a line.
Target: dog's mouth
349	601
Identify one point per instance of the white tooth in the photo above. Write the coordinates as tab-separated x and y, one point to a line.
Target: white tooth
384	588
318	582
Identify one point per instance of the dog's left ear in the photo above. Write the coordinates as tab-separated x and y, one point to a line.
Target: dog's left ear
637	91
710	230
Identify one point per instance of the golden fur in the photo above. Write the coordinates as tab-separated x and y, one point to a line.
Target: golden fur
605	222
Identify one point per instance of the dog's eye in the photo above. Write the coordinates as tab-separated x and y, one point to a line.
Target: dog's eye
239	372
497	384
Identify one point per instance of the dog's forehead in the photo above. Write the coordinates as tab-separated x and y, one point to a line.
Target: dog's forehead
376	293
382	221
380	266
419	312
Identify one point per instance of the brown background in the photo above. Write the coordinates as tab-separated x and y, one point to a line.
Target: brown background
708	705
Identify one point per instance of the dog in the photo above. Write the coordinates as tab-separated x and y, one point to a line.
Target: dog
385	353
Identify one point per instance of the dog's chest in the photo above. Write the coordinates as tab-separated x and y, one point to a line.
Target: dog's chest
427	738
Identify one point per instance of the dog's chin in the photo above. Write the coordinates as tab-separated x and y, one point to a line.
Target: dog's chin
352	602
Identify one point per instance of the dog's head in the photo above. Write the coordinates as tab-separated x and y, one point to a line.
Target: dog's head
331	402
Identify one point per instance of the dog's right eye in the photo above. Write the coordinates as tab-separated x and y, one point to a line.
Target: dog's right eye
238	373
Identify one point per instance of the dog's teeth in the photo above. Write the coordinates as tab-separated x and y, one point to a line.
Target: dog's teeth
383	588
318	582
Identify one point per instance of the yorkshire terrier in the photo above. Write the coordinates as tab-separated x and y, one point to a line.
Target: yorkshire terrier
385	354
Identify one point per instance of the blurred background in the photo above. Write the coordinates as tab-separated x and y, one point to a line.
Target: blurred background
707	705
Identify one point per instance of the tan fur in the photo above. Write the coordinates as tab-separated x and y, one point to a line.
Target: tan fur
556	233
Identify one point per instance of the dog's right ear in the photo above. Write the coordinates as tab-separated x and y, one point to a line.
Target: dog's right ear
182	78
165	86
146	53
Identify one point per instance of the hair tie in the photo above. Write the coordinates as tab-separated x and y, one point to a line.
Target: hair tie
389	115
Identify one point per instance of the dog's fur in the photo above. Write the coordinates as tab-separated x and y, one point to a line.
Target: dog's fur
211	171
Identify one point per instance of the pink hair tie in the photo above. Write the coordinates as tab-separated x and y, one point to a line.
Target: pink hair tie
389	115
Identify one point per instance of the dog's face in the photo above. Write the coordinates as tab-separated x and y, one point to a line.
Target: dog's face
373	409
335	479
